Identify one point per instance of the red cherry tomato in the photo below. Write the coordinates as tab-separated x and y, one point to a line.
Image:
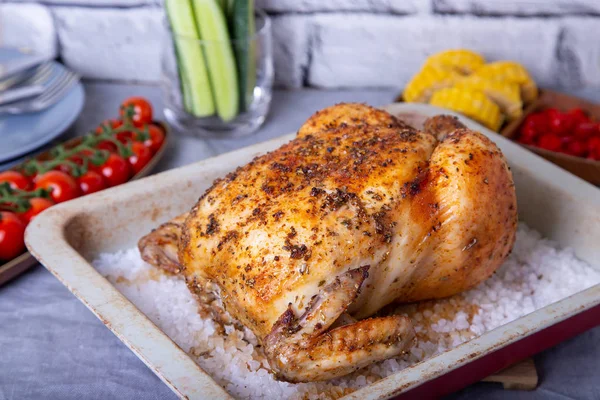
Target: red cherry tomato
576	148
12	231
525	140
585	130
140	157
91	182
593	147
64	168
115	170
155	139
107	145
550	142
528	133
37	205
125	137
560	123
62	186
15	179
77	159
578	115
113	123
142	110
540	120
566	140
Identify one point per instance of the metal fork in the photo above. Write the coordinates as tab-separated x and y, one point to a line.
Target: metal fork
36	77
31	86
57	88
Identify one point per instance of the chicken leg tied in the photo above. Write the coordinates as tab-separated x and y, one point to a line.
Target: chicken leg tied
303	348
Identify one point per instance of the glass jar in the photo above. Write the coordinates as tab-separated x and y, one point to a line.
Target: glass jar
254	90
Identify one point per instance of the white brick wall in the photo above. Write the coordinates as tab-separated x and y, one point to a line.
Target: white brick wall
311	6
517	7
91	3
334	43
29	26
106	43
579	53
379	50
290	49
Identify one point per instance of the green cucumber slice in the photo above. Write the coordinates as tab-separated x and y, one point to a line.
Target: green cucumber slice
193	74
212	26
185	85
242	28
224	5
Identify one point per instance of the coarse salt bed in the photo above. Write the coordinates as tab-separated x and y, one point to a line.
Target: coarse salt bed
536	274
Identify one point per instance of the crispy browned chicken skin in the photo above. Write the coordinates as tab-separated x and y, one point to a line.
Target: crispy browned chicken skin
357	212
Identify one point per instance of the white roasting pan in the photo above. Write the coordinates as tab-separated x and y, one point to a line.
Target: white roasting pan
67	237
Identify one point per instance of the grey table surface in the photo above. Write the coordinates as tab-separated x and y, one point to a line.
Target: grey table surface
52	347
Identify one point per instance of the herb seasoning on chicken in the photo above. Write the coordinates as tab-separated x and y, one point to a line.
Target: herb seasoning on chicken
357	212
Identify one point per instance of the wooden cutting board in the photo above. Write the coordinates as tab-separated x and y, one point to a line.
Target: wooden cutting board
521	376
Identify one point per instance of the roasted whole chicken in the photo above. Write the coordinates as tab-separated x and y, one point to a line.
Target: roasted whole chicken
303	245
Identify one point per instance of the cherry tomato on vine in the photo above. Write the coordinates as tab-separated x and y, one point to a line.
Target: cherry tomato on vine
67	168
37	205
91	182
113	123
124	137
155	139
62	186
140	158
80	156
12	231
15	179
107	145
142	110
64	168
115	170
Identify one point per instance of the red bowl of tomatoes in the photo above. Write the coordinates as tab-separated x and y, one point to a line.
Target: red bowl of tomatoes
564	130
117	151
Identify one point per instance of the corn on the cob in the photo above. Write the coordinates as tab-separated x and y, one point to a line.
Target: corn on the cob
428	80
461	60
471	102
506	95
510	71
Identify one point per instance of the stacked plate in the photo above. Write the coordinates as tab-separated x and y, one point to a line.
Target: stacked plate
25	133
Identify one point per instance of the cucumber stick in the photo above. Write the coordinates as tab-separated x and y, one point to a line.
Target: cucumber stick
242	28
193	74
188	101
212	26
224	6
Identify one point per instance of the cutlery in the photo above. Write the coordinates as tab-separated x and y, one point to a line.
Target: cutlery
57	88
20	93
30	87
33	76
12	67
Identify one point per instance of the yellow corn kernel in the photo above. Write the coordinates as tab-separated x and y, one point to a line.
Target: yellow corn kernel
513	72
461	60
429	79
506	95
470	102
